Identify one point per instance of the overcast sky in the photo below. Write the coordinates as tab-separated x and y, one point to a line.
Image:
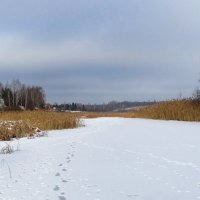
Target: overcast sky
101	50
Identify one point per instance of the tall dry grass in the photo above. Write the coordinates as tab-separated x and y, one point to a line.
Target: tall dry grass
181	110
20	124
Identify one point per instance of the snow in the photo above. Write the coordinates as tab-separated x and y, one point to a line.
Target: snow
108	159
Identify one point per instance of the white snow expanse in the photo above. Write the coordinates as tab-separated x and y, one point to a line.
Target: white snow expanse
108	159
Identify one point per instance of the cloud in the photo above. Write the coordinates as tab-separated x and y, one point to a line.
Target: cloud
96	50
48	33
19	52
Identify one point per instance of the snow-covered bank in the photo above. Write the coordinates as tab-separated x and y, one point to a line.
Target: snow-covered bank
108	159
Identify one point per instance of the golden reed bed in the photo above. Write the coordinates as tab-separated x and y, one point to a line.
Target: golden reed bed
24	123
183	110
20	124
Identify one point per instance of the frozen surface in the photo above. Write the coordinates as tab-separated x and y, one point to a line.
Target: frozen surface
108	159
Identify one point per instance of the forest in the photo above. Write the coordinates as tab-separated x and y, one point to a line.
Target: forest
16	95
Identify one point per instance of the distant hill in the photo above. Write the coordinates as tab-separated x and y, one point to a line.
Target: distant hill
116	106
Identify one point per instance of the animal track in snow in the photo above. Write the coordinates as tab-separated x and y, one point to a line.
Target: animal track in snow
62	197
57	174
56	188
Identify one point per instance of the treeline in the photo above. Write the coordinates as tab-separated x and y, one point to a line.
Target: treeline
69	107
109	107
18	95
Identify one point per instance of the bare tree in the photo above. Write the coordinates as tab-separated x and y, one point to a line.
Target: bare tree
16	87
16	94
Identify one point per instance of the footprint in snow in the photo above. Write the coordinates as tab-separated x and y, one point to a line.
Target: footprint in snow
56	188
57	174
62	197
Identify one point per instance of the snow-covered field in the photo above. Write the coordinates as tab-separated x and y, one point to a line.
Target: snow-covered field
108	159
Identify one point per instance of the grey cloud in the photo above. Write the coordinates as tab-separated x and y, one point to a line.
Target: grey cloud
84	84
96	50
26	54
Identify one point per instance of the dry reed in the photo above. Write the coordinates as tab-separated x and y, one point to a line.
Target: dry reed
181	110
20	124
